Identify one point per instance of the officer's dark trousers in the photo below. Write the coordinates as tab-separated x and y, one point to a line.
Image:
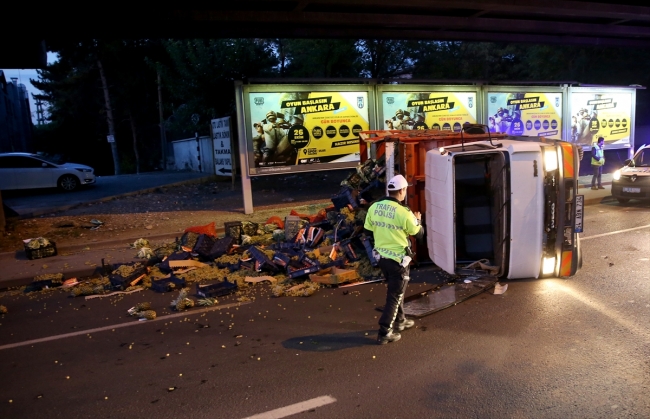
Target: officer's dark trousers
397	278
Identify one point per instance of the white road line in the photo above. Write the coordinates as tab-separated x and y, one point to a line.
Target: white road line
117	326
283	412
614	232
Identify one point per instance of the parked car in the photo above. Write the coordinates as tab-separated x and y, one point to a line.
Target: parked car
632	181
28	171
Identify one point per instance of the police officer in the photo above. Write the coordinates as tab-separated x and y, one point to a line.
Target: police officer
391	223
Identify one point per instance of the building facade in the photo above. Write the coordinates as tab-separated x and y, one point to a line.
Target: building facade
15	116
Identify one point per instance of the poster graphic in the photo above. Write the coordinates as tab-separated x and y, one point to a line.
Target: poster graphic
299	128
525	113
446	111
597	114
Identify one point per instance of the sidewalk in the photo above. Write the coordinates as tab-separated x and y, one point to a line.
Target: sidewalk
84	260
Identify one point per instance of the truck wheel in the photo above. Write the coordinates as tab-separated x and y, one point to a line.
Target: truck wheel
68	183
623	200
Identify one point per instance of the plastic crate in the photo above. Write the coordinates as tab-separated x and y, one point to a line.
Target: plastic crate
349	251
344	198
291	226
167	284
295	272
218	289
302	267
120	282
369	247
221	247
281	259
233	229
203	246
189	239
262	262
247	264
313	236
41	252
335	263
375	190
164	265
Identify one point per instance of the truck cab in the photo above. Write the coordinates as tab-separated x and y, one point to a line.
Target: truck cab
512	203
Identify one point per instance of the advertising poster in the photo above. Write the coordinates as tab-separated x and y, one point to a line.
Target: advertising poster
446	111
529	113
606	115
303	128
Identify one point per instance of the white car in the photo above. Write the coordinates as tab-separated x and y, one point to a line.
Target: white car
28	171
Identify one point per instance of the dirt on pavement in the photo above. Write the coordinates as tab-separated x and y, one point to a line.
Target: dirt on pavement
170	210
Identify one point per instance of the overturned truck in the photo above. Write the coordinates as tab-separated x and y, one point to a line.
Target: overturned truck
510	201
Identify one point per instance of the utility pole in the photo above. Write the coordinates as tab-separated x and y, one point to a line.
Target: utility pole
109	119
40	113
163	138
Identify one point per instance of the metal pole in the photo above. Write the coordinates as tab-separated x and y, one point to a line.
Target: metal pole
163	139
243	157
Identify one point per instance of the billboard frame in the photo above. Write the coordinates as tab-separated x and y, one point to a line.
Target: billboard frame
526	88
608	89
422	87
245	126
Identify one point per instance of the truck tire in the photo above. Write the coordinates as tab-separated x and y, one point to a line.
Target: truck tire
68	183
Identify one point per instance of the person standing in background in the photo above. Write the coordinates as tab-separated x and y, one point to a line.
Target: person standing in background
597	162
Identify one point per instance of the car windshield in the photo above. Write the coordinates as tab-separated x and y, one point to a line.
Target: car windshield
642	159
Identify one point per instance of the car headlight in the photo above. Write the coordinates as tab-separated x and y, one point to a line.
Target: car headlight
548	266
85	170
550	159
616	175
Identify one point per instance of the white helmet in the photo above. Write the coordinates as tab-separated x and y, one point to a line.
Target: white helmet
397	183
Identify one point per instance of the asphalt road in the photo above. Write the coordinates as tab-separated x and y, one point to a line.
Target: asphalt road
552	348
34	202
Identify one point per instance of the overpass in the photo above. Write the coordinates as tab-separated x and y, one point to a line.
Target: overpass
582	22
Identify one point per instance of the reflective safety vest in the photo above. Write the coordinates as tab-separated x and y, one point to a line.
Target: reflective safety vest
600	152
391	224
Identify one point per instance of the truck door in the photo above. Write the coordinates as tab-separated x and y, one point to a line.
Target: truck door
440	213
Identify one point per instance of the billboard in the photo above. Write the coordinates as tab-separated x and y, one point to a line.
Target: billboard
525	113
601	113
304	130
417	110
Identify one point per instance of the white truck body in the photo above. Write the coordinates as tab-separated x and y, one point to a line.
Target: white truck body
509	203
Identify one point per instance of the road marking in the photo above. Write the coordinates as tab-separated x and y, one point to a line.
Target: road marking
614	232
117	326
283	412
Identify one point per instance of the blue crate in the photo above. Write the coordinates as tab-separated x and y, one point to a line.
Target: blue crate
165	284
369	246
218	289
344	198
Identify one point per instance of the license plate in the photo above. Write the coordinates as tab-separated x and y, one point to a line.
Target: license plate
632	190
580	203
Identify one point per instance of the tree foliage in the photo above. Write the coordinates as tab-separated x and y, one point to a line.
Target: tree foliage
198	77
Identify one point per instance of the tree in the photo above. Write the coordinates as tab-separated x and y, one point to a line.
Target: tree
319	58
201	77
387	58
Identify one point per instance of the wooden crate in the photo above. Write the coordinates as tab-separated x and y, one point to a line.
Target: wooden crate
335	276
